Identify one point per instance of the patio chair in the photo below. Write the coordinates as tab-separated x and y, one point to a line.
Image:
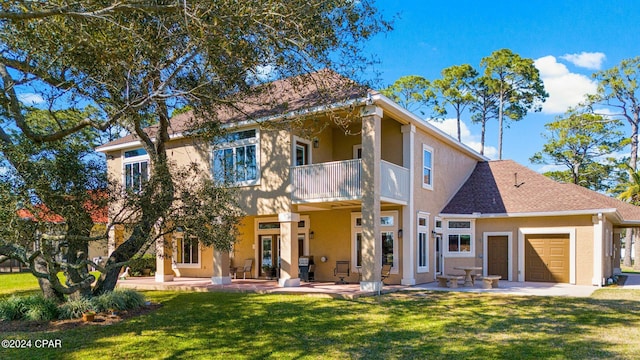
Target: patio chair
248	264
342	270
386	271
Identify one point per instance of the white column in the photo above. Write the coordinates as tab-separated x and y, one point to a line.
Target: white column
408	211
289	250
598	236
370	187
220	268
164	272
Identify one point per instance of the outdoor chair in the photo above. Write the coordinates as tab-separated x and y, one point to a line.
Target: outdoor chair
342	270
386	271
248	264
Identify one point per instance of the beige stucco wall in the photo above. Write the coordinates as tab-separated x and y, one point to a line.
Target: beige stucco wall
584	241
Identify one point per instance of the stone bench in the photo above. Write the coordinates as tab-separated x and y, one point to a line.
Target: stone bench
449	280
490	281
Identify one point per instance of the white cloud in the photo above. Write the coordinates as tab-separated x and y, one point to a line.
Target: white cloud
566	89
450	127
591	61
30	98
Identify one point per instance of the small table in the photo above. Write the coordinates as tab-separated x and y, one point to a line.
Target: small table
467	273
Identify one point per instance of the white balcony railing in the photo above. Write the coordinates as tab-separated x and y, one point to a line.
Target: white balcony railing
340	181
394	181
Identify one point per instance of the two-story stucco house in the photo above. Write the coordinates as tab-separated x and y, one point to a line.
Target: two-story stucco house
377	185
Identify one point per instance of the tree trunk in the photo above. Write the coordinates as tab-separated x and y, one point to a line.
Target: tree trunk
636	255
484	129
48	291
500	121
626	261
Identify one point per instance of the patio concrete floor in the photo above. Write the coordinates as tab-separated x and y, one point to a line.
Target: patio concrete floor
351	291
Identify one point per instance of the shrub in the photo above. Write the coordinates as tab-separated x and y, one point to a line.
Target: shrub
73	309
119	299
40	309
138	263
34	307
10	308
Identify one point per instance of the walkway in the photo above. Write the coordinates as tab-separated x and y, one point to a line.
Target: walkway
632	282
519	288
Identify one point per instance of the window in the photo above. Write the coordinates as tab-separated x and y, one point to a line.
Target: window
302	153
235	159
459	243
427	167
388	234
136	169
187	251
460	238
423	242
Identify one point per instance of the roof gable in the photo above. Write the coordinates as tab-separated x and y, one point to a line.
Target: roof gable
279	97
505	187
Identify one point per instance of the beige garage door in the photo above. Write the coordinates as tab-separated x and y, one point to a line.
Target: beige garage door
546	258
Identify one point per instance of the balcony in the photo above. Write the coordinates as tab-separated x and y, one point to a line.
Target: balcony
340	181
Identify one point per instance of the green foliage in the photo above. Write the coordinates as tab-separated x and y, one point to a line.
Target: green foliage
517	84
412	92
455	89
74	308
38	308
119	299
582	142
32	308
139	263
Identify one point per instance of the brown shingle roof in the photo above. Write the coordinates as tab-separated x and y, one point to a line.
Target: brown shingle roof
506	187
324	87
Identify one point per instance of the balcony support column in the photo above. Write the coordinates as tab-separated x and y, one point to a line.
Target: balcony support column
289	276
371	244
408	211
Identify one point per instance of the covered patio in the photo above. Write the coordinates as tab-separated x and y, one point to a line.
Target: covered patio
260	286
350	290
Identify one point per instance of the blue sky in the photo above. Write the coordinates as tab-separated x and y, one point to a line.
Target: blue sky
569	40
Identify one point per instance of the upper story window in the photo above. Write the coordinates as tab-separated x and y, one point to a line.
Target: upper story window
235	158
427	167
136	169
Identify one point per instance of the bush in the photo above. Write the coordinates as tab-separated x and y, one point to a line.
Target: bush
73	309
41	309
119	299
34	307
10	308
138	263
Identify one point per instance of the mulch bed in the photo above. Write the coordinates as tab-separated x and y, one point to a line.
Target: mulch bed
101	319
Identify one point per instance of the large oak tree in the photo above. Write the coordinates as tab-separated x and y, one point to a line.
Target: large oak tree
137	61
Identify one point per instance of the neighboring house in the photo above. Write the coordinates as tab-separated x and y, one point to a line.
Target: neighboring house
99	216
374	185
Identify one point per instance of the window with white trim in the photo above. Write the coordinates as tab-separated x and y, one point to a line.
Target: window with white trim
186	250
423	242
388	233
460	238
236	158
135	169
427	167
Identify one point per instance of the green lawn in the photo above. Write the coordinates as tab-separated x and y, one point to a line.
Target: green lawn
421	325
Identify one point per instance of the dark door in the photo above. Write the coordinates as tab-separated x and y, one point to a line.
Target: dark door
498	256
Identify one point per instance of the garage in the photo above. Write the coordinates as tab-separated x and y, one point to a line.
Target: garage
547	258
